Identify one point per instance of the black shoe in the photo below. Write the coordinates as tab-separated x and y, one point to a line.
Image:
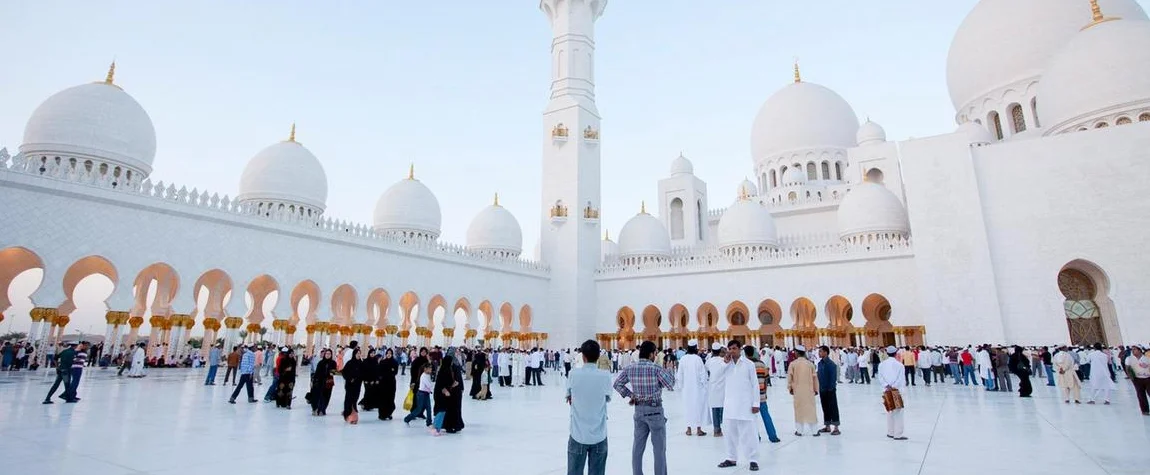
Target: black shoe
73	400
231	401
253	400
47	401
754	467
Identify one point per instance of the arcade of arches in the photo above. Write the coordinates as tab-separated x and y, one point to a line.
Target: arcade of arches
762	325
153	297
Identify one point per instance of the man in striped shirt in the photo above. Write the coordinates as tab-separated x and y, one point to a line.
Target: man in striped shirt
247	367
78	363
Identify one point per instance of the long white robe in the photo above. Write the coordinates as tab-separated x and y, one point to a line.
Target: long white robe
780	363
137	363
693	376
740	395
982	359
716	379
1099	372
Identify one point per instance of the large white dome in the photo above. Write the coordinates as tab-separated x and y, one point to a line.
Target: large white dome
870	208
747	188
644	236
495	230
870	132
1104	70
1005	41
408	207
98	121
285	172
747	223
803	115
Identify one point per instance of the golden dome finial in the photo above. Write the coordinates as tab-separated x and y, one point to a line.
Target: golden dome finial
643	207
606	234
111	77
497	198
798	76
1097	16
411	172
291	135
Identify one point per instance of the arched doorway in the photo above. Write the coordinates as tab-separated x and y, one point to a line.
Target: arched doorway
652	320
840	312
876	311
737	317
625	319
708	319
803	313
770	314
1090	316
679	321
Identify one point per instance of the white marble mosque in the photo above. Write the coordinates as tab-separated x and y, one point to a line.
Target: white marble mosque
1021	225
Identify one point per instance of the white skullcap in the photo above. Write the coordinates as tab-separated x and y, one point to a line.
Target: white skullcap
716	346
890	350
800	348
693	342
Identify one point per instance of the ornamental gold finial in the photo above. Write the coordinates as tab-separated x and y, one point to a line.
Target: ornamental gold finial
111	77
798	76
606	234
291	135
411	172
643	207
496	198
1097	16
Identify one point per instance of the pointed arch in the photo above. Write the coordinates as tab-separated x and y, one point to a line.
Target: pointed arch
408	303
15	261
465	305
378	303
217	284
708	317
506	314
343	301
652	320
770	315
738	316
525	318
434	305
877	309
625	319
680	318
486	315
309	290
81	269
167	284
260	289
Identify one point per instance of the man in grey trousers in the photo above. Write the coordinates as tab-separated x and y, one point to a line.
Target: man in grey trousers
647	381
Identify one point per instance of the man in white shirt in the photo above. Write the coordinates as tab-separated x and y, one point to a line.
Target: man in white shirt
716	382
864	366
693	376
588	391
891	375
924	364
851	361
1138	368
741	408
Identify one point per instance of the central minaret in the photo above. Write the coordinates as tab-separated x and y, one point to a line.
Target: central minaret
569	237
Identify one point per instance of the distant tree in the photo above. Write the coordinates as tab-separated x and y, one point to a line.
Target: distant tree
196	342
263	331
14	336
243	334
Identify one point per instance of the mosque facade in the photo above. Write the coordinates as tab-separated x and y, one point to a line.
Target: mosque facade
1020	226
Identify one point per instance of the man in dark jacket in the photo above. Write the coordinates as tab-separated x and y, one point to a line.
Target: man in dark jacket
63	373
828	374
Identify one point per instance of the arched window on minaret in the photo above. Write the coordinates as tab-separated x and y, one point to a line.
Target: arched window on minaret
826	170
699	223
995	124
676	218
1017	120
774	179
812	172
839	171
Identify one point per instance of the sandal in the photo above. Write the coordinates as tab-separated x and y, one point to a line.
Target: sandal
726	464
835	432
700	433
689	431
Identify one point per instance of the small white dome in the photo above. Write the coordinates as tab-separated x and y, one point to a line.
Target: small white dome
980	61
747	223
1104	70
870	208
408	207
794	176
608	249
747	188
975	133
681	166
285	172
871	132
802	115
495	230
644	236
98	121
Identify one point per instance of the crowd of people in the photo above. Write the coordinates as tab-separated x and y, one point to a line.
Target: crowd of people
727	388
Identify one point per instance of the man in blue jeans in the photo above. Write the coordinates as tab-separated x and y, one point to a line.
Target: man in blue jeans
213	365
588	391
647	381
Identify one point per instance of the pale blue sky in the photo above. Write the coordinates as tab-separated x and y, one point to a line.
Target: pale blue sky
457	87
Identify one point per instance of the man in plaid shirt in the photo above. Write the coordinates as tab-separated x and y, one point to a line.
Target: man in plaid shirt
647	381
247	367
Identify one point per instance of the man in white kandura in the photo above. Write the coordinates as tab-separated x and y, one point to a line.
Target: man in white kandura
741	409
716	379
693	376
892	375
1099	383
138	357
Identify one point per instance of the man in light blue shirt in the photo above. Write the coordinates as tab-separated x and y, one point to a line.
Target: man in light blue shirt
588	391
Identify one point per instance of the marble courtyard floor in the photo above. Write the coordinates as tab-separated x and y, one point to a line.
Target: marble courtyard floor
169	423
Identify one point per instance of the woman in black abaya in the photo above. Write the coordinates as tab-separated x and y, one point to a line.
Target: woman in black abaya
449	392
385	390
352	380
369	372
478	364
322	380
285	385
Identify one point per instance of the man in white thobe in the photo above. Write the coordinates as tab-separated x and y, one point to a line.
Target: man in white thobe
780	363
892	375
985	368
693	376
741	408
716	381
1099	383
138	357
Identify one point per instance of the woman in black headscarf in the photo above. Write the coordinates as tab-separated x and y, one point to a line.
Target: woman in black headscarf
449	393
322	380
368	370
352	380
478	365
1020	366
285	385
385	390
